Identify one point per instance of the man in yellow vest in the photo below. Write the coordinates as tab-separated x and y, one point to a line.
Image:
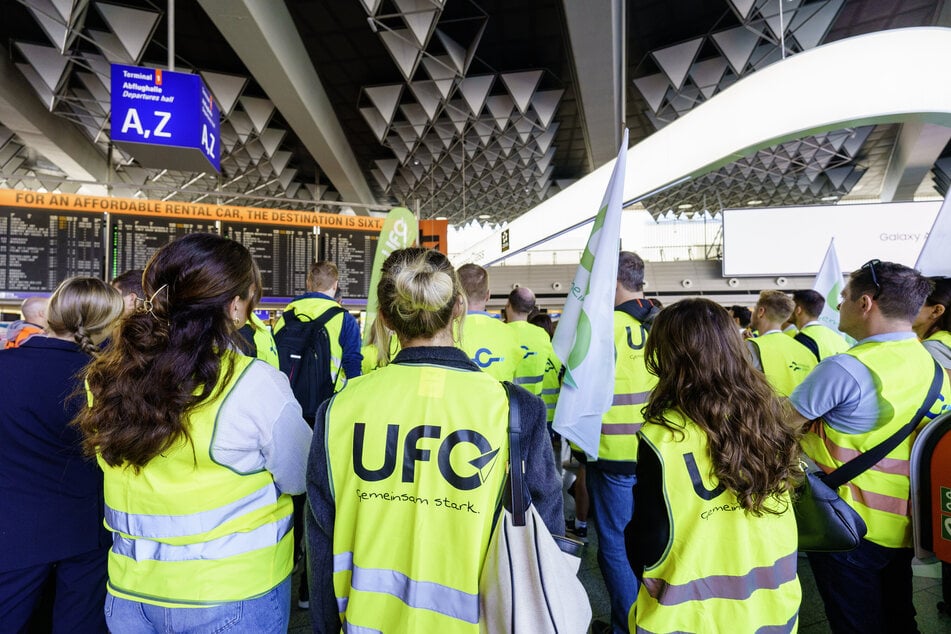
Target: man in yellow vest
534	342
490	344
346	357
784	361
850	403
821	340
610	479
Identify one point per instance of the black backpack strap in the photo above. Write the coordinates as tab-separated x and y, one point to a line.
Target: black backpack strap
809	342
327	315
518	498
870	458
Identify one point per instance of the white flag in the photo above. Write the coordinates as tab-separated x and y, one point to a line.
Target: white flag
584	340
829	284
933	259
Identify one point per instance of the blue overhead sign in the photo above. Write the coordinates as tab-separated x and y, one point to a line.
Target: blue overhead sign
165	119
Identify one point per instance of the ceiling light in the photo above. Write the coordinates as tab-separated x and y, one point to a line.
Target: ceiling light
484	216
684	206
829	198
754	202
441	218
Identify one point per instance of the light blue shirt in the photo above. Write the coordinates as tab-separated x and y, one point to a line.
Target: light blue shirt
841	391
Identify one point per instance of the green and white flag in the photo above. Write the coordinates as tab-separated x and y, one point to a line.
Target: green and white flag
584	339
829	284
399	231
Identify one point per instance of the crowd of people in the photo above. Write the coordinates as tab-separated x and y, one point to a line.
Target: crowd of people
158	472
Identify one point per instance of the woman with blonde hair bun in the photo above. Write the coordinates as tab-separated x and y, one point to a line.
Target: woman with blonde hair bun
52	496
407	466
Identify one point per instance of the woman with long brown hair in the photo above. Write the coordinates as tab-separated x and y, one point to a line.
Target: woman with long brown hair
713	536
51	496
201	448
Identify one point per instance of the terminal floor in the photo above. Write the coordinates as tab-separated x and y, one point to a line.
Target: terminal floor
812	618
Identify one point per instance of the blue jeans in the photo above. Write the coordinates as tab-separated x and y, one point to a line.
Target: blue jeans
866	590
612	503
268	613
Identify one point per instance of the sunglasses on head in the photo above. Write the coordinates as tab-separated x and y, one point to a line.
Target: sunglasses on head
870	265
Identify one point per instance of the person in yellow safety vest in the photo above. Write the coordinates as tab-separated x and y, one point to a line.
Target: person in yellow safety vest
490	344
344	331
821	340
407	466
33	322
534	342
713	536
847	405
783	360
933	322
610	477
551	382
200	447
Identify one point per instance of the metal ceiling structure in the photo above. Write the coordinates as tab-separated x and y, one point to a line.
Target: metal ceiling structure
458	108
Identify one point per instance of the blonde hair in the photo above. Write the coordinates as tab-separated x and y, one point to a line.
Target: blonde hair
417	294
779	306
84	307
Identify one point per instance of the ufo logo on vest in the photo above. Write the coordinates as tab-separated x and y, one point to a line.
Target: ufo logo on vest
414	453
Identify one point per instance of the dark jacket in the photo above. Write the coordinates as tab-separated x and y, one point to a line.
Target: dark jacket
51	504
540	476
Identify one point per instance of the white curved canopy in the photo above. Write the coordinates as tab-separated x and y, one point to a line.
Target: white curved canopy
884	77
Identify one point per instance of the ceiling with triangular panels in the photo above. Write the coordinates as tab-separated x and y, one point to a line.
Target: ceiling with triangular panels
463	109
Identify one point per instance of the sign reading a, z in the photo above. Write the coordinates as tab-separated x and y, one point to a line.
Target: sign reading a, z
154	107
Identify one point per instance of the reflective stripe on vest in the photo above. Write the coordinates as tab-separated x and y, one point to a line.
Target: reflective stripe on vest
632	386
186	530
902	372
428	469
416	594
220	548
702	579
785	361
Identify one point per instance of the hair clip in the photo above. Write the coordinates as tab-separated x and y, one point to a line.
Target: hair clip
146	305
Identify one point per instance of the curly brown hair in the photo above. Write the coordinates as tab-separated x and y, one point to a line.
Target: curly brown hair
167	357
704	372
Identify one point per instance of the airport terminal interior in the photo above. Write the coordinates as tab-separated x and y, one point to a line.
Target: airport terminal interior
758	133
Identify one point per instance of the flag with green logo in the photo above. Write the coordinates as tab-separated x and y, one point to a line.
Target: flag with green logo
584	339
829	284
399	231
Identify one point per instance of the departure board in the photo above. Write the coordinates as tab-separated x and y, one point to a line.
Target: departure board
283	254
39	248
352	252
136	238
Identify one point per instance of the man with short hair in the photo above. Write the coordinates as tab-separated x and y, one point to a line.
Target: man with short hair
612	476
535	344
849	404
821	340
32	322
784	361
129	284
322	283
346	359
490	344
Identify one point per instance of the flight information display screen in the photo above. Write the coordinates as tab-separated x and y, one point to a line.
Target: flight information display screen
283	254
136	238
353	253
41	248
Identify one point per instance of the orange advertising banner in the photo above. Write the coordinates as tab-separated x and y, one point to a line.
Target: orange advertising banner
197	211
